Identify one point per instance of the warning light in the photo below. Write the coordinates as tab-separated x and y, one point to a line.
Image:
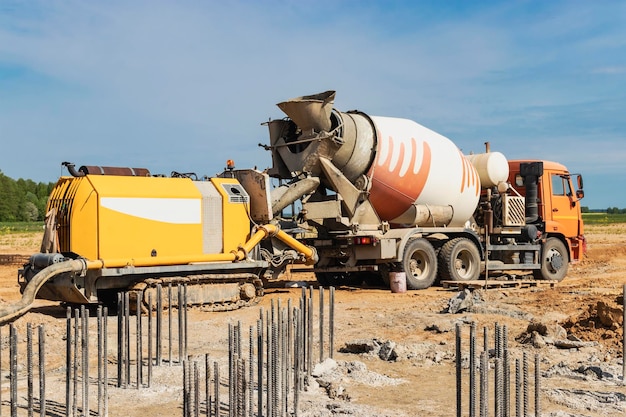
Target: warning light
230	164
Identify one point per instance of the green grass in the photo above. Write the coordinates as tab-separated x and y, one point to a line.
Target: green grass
20	227
603	218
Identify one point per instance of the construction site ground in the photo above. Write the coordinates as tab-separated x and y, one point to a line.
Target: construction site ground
420	381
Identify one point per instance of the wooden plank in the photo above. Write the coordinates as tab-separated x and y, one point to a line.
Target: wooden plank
503	284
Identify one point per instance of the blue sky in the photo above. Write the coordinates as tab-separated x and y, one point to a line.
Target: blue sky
183	86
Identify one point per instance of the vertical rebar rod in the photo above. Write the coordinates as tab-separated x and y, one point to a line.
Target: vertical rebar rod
100	361
231	376
13	368
472	371
537	386
186	326
321	323
169	324
139	343
484	383
309	355
150	356
269	364
185	391
42	370
29	368
525	382
260	343
216	395
75	364
85	373
159	324
68	359
251	372
207	384
105	348
127	338
0	369
120	338
459	391
624	335
179	298
518	388
196	389
507	373
331	323
497	387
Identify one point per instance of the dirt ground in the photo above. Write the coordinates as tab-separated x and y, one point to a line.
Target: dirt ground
583	379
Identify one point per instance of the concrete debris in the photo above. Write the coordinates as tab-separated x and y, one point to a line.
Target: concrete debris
463	301
605	402
387	351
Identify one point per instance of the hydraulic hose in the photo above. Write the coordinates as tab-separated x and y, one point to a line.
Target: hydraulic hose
14	311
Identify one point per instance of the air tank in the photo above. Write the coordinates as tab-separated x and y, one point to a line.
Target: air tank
406	167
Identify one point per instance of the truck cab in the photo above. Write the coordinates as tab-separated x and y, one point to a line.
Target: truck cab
558	202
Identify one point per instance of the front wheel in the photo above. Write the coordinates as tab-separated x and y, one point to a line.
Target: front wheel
419	262
554	261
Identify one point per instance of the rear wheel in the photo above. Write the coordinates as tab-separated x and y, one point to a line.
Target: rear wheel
420	264
459	260
554	261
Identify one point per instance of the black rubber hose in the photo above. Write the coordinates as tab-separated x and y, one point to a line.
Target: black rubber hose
14	311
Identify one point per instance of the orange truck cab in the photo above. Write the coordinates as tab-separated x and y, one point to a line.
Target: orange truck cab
558	196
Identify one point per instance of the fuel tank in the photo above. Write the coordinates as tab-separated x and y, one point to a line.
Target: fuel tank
402	165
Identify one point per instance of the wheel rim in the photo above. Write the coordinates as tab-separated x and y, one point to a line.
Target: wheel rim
418	266
554	260
464	264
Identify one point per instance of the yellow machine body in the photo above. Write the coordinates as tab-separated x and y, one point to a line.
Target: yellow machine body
124	217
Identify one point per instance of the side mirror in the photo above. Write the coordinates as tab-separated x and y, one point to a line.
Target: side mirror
580	194
579	182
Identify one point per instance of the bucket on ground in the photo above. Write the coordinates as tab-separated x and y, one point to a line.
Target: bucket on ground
397	282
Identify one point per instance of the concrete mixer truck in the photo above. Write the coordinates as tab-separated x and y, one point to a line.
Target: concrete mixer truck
383	194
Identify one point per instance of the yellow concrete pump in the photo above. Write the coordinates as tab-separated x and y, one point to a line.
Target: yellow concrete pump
121	229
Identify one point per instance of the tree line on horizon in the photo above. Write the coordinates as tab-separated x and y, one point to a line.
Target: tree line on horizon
23	200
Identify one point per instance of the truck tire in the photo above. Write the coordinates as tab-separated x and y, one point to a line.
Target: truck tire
554	261
459	260
419	262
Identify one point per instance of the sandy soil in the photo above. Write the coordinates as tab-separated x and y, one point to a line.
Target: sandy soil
421	380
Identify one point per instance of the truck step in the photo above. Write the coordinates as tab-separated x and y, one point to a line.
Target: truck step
481	284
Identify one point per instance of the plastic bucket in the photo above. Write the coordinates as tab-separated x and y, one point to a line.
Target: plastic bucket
397	282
